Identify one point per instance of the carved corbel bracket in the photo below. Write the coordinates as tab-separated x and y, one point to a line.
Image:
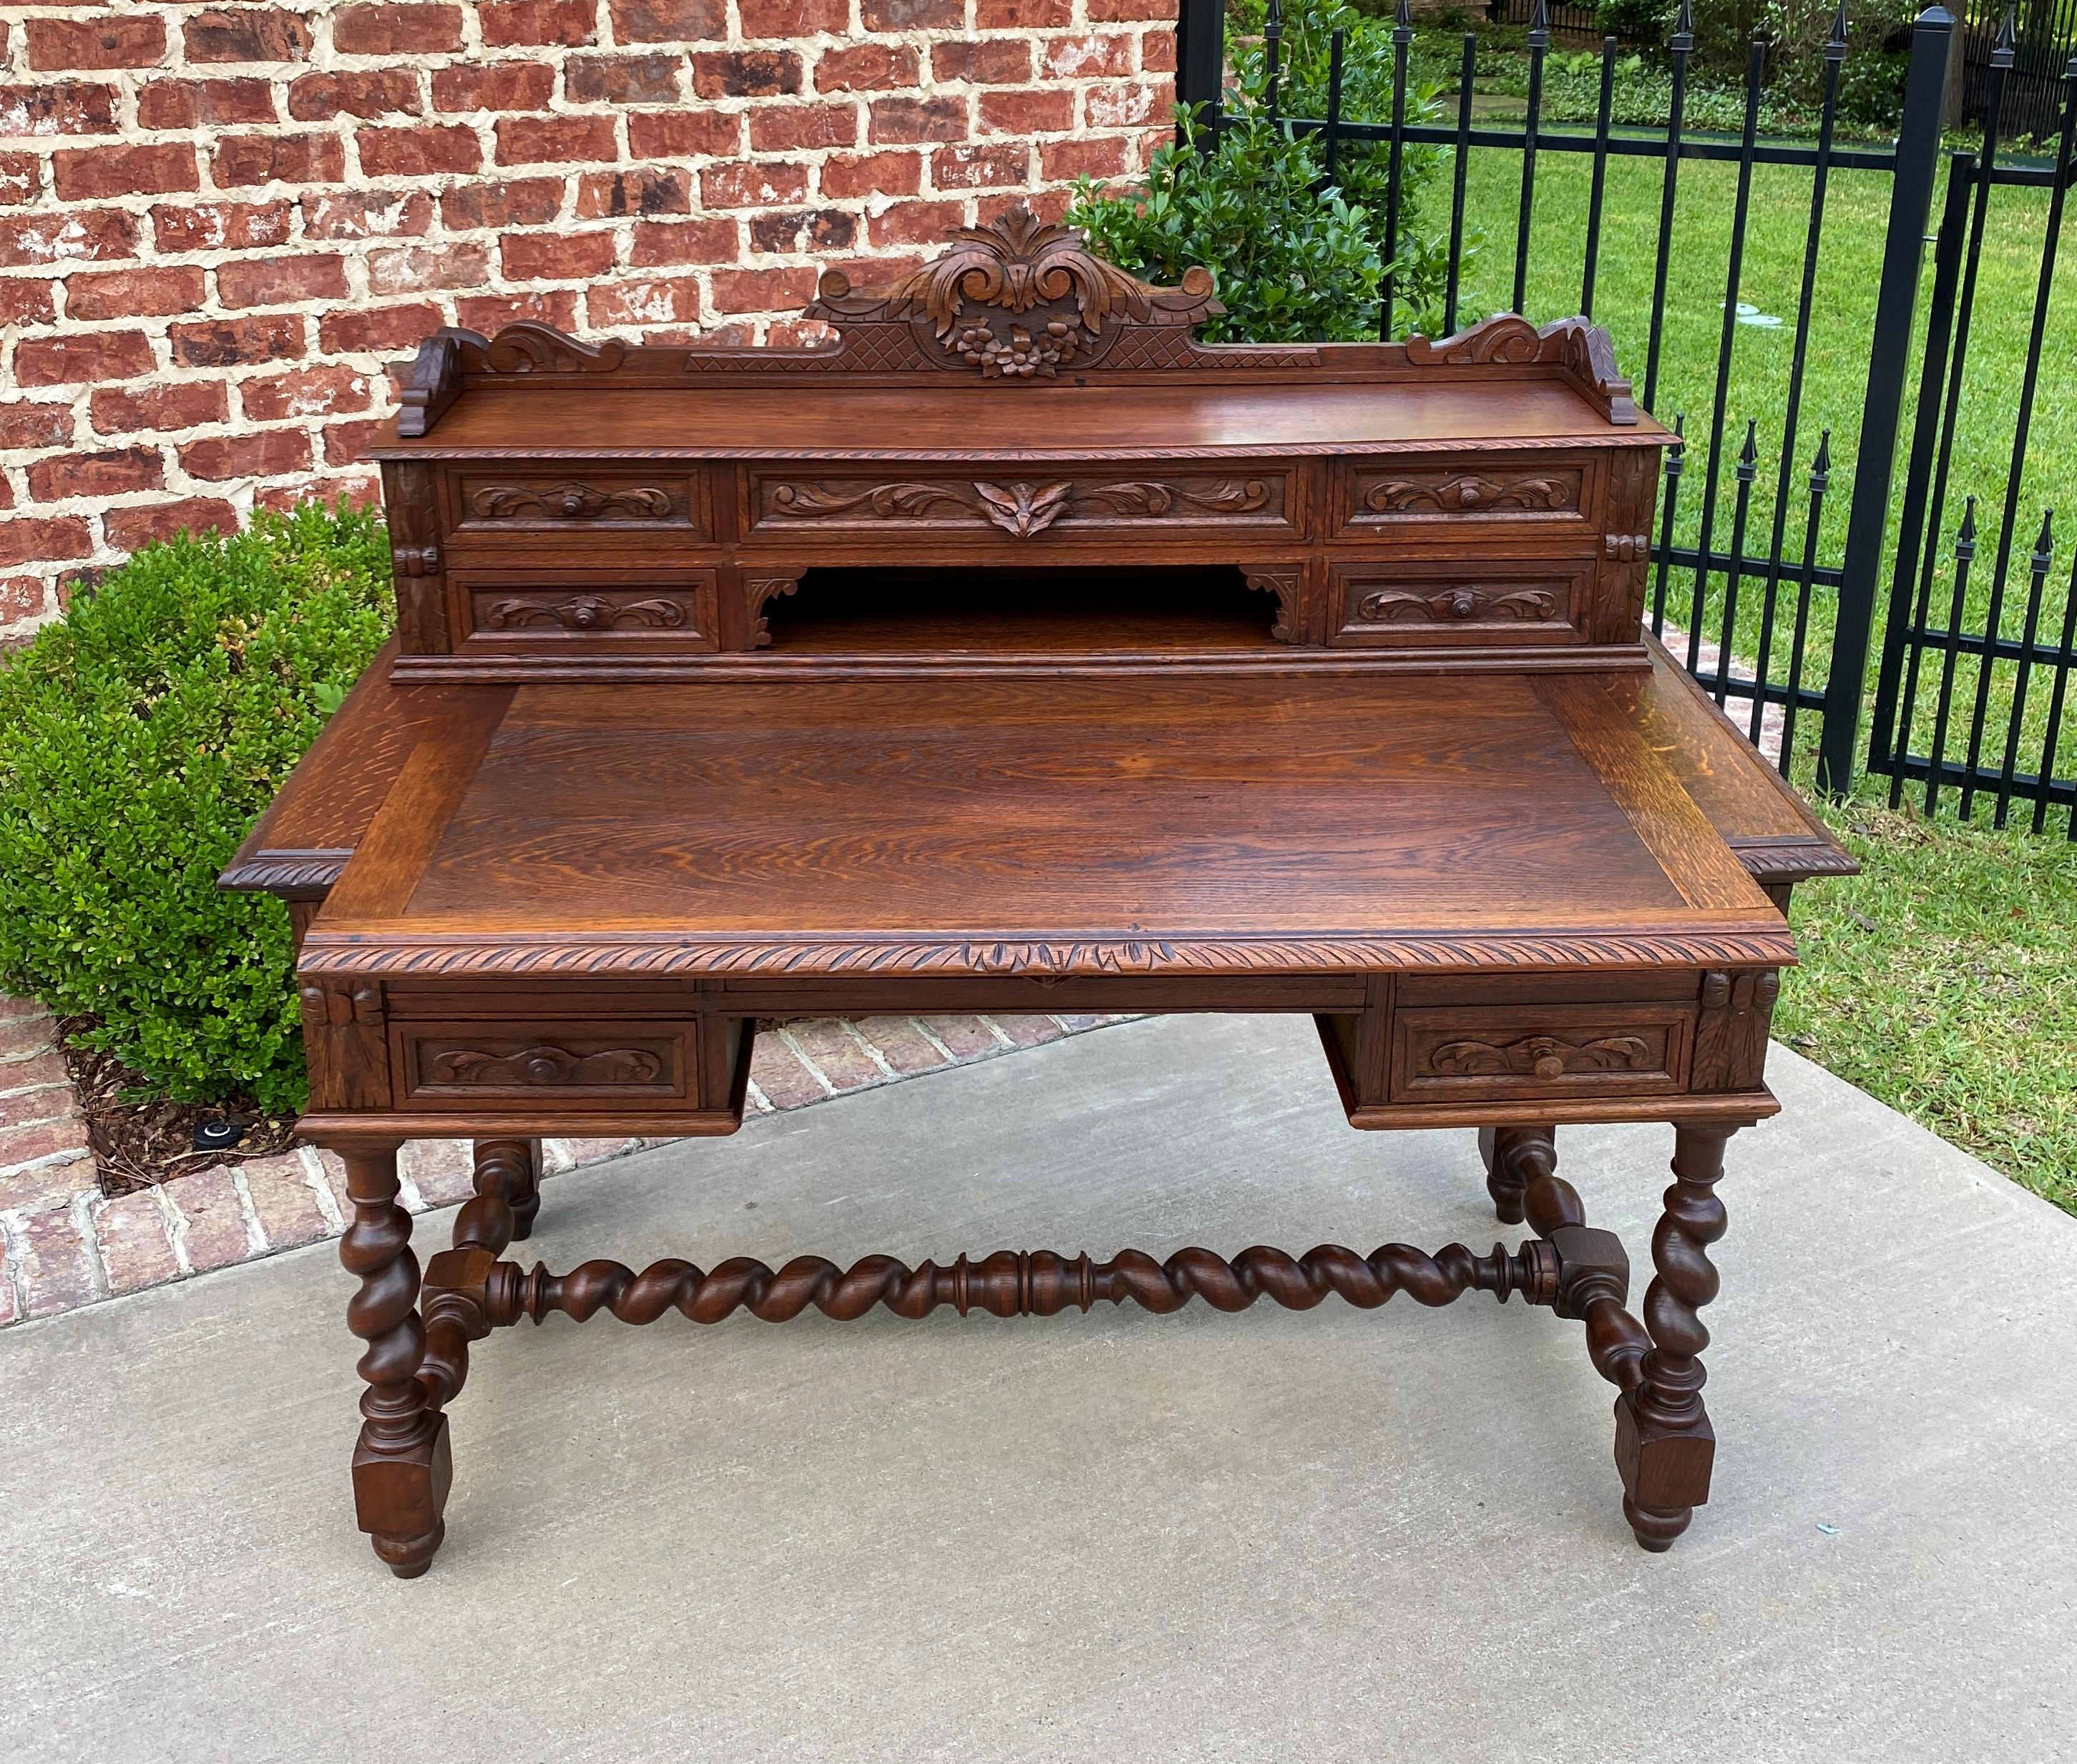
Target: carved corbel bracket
451	355
346	1041
1585	351
1731	1035
758	591
1284	582
436	381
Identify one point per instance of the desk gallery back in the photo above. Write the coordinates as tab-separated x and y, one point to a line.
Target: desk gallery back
1018	652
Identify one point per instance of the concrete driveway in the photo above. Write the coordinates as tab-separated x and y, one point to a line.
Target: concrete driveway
1335	1536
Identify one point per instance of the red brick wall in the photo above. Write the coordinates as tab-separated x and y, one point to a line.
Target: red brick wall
220	225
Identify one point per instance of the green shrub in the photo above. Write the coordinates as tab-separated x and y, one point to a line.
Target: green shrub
1291	264
1294	257
139	736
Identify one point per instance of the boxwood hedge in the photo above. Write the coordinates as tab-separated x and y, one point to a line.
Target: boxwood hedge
139	736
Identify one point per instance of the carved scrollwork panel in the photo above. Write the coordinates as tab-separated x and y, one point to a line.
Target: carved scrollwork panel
461	1064
544	1063
1022	508
1444	1053
1547	1057
585	613
568	499
1018	299
1469	492
1457	606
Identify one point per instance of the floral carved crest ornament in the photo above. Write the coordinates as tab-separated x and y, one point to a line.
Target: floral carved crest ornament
1018	299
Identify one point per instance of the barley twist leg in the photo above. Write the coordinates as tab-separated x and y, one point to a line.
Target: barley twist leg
1664	1443
401	1465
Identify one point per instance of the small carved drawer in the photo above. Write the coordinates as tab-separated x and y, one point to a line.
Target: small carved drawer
1521	1053
1514	600
545	1065
1401	498
1087	502
491	510
644	610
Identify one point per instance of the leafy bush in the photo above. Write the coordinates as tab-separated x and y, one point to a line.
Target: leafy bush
1294	257
1290	263
1634	21
139	737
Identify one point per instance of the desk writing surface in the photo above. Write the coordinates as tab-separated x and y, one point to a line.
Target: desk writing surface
959	418
1060	811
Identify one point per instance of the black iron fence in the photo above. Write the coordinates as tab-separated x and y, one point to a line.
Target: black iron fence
1985	729
1565	17
1792	570
2031	92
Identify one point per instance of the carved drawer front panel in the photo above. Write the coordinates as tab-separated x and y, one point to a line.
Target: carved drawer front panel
1499	1053
547	1065
542	612
1398	495
1020	503
488	502
1435	605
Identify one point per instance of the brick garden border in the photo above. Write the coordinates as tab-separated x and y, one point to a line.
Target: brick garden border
64	1244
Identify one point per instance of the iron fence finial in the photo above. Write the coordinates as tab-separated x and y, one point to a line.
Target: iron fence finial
1965	540
1539	25
1749	454
1820	468
1835	45
2006	50
2043	547
1404	18
1683	40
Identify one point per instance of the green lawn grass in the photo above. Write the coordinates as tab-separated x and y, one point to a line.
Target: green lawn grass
1940	979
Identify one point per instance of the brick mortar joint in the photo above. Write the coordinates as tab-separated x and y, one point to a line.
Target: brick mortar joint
724	293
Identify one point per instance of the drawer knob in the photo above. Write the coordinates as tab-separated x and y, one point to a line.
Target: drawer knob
1550	1066
1463	604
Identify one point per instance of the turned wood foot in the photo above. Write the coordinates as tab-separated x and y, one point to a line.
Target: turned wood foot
1500	1148
410	1556
1665	1447
401	1468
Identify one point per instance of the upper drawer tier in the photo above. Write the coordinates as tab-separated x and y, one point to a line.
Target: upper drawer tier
489	505
1424	495
1005	507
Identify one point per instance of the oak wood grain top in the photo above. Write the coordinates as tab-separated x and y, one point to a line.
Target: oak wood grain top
299	847
1067	826
958	419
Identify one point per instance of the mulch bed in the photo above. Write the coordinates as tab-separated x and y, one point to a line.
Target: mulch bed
136	1144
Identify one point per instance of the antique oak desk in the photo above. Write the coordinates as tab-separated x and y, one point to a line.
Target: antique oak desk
1017	653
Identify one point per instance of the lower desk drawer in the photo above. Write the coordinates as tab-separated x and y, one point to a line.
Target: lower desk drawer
551	1066
1431	605
1525	1052
562	613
